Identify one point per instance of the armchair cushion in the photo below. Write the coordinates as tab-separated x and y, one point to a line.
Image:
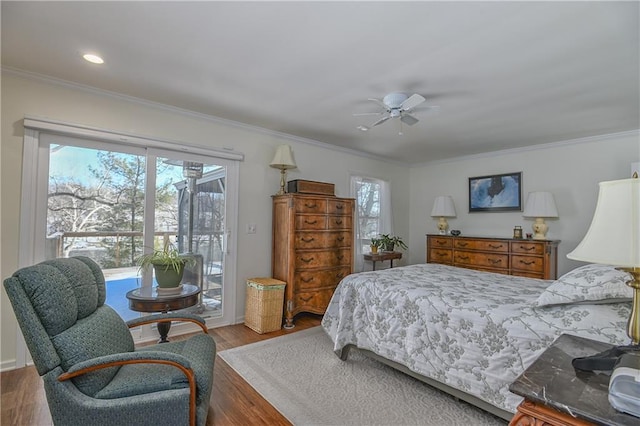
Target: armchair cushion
134	379
103	333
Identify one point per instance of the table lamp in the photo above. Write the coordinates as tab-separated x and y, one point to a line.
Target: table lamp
540	205
614	239
443	207
283	160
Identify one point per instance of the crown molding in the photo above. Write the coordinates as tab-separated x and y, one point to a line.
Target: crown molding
510	151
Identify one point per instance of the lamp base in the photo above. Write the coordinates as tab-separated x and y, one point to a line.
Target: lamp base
605	361
539	229
282	182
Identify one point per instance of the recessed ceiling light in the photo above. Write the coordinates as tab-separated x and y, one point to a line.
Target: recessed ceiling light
363	128
95	59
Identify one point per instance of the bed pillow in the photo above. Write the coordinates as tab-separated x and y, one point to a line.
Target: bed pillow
588	284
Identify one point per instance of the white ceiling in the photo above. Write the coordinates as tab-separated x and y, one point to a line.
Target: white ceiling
504	74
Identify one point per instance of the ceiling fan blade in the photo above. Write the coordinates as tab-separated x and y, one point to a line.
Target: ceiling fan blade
412	102
408	119
366	113
430	108
379	102
382	120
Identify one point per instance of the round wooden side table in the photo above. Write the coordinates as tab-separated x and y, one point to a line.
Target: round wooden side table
147	299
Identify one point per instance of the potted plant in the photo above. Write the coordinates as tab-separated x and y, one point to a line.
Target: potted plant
375	243
168	265
390	242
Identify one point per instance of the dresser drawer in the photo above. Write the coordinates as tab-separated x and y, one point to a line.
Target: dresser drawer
482	245
313	301
527	247
527	263
440	255
310	205
440	242
339	207
322	258
319	240
309	280
311	222
489	260
340	222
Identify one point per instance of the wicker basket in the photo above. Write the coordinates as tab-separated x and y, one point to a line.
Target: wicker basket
264	304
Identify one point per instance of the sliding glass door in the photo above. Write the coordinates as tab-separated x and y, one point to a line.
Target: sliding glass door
113	202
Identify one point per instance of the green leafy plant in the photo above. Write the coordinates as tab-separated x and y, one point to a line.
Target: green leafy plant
168	265
391	242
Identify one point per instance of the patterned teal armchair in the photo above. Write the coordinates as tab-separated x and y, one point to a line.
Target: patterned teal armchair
93	374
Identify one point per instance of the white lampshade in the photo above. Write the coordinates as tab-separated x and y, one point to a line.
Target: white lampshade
614	235
443	207
283	159
540	204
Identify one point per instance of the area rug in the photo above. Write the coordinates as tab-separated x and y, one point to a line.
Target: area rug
305	381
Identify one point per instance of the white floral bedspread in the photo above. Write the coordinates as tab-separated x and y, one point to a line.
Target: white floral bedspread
471	330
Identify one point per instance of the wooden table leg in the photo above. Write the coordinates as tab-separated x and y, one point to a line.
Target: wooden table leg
374	264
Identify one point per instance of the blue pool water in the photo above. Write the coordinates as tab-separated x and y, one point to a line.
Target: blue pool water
117	299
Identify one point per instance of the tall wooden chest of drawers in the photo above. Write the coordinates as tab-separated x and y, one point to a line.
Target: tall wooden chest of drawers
313	249
526	258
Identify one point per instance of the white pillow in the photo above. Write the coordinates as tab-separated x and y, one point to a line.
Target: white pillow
588	284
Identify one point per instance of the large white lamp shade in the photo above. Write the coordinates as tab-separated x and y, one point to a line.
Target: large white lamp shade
614	238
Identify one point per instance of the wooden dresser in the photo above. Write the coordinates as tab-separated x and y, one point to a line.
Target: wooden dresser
313	247
526	258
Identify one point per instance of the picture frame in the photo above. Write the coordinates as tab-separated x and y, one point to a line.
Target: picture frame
495	193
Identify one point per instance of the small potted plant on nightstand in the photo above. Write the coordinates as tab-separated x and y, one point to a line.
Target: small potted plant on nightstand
168	265
390	242
375	243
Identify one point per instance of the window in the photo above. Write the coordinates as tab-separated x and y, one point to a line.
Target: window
373	212
94	195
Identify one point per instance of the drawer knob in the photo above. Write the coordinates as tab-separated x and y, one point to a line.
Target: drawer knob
310	222
307	240
340	239
529	262
340	275
463	257
306	299
340	257
495	261
339	206
339	222
310	206
307	280
495	247
462	244
527	248
306	260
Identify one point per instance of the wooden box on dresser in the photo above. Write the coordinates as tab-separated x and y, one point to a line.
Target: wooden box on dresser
526	258
313	247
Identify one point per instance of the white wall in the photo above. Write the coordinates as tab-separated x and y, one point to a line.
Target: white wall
25	96
570	170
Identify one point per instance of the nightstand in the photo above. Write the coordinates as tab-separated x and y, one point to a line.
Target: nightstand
382	256
556	394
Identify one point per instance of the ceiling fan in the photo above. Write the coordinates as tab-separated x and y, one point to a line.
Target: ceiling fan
396	105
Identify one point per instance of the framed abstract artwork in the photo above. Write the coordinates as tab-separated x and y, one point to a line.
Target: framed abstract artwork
495	193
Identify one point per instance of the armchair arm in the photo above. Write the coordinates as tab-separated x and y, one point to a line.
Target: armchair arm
148	357
169	317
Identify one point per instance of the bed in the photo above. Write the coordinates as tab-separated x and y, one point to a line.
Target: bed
471	333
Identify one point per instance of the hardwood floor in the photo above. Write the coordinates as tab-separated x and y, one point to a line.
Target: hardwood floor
233	401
